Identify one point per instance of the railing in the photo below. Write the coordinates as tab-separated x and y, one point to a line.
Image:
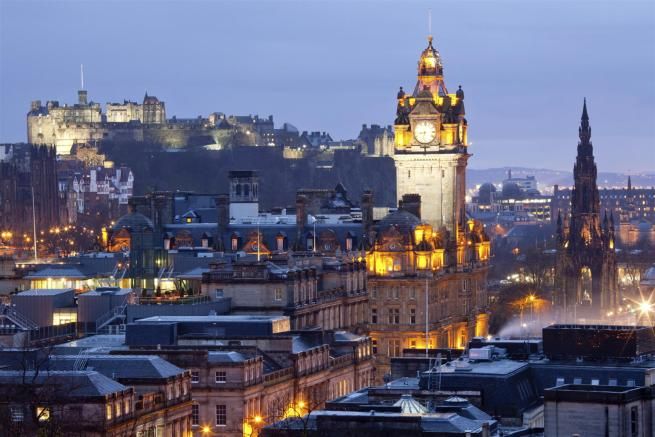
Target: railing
342	361
275	376
110	316
162	300
16	317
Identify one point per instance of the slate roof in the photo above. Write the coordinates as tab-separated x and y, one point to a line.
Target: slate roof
121	366
225	357
45	292
73	383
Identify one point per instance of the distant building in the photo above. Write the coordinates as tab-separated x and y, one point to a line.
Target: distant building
376	140
391	410
599	410
246	370
96	395
28	176
586	269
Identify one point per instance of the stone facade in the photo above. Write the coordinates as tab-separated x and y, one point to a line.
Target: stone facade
316	292
586	270
30	173
431	144
237	390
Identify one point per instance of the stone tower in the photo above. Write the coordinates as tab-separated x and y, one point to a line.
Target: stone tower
431	145
586	265
244	194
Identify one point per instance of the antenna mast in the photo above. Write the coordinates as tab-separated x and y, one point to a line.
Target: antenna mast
82	76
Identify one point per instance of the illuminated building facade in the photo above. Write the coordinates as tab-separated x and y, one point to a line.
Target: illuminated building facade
431	144
427	262
586	265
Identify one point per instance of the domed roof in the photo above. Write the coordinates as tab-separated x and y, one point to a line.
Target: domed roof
511	190
133	220
488	186
401	219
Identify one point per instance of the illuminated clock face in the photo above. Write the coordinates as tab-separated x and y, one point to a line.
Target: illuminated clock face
424	132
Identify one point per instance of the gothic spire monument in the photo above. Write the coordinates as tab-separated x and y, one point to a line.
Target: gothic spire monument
586	265
431	145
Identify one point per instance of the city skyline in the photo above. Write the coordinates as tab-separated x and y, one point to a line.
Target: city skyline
545	59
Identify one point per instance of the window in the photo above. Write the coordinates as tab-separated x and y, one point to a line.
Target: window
396	293
280	243
220	377
195	377
119	409
128	406
394	348
412	293
109	411
374	315
394	316
412	316
221	415
374	345
218	293
577	380
43	414
195	415
235	244
634	421
612	382
631	383
595	382
560	381
349	244
17	414
412	344
278	294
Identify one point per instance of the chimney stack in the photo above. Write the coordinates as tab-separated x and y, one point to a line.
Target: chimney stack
367	211
222	202
411	203
301	215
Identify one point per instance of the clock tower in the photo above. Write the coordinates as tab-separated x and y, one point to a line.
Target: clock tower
431	145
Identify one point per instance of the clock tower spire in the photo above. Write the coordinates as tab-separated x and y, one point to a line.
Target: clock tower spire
431	144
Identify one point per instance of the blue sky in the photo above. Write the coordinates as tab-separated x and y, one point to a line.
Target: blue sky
333	65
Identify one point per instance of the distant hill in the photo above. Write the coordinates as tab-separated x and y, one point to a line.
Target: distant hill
547	178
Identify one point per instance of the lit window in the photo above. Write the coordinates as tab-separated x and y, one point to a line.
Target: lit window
110	411
43	414
220	377
560	381
119	409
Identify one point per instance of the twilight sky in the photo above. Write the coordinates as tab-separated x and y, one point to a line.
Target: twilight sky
333	65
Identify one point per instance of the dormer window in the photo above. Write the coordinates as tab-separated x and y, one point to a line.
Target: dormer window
235	244
349	244
279	241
